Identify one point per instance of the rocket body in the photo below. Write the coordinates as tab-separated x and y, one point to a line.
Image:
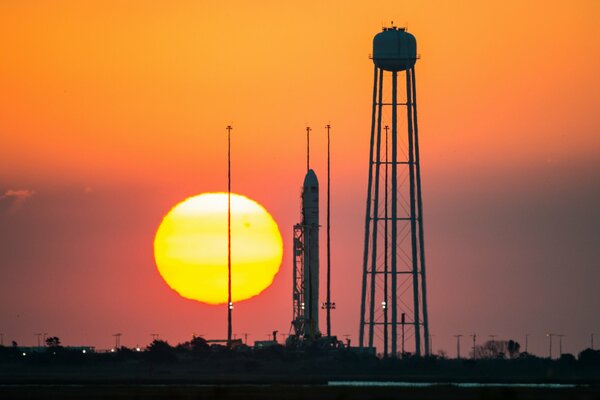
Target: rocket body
310	221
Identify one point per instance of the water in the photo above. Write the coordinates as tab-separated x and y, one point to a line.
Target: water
457	384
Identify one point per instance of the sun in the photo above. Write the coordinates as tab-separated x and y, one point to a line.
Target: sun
190	248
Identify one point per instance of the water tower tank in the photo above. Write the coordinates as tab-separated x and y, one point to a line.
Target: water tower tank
394	49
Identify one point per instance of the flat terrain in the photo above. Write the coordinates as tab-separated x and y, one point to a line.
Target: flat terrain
287	375
293	392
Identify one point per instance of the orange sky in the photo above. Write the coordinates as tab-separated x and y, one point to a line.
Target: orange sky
113	111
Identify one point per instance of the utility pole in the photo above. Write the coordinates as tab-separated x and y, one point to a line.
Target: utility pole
385	249
117	340
458	345
560	353
526	343
550	340
39	339
592	341
328	234
2	339
474	336
229	302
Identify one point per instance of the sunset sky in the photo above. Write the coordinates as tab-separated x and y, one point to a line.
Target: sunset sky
111	112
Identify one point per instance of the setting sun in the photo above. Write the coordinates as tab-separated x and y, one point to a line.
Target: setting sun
190	248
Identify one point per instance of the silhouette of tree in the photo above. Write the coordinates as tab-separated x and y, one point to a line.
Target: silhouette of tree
199	344
160	351
513	349
196	345
492	349
589	357
567	359
53	341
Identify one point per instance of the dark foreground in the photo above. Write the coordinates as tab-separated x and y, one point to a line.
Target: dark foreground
312	392
278	373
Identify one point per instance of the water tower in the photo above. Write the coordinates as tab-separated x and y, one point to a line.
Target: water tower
394	304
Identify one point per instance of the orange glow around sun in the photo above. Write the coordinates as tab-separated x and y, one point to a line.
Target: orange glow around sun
190	248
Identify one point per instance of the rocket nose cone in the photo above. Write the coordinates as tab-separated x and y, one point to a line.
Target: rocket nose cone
311	179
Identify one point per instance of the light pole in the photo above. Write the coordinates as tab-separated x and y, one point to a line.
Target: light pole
474	336
550	344
526	343
560	353
229	302
458	346
385	250
328	236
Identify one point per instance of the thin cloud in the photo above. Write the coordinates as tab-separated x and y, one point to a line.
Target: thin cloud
17	193
13	199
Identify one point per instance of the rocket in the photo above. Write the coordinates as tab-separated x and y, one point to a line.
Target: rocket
310	222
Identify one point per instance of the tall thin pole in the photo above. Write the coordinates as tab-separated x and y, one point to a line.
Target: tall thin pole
458	345
229	302
527	343
560	353
385	251
308	148
592	341
328	235
394	210
474	336
550	345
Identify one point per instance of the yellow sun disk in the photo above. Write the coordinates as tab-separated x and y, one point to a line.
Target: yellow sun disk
190	248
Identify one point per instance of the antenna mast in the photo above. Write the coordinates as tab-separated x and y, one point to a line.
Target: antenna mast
308	148
229	302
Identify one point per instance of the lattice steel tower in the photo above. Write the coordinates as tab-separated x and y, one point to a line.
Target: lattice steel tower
393	285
